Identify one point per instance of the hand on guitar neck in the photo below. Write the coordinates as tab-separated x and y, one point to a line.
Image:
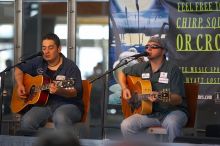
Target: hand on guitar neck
153	96
53	88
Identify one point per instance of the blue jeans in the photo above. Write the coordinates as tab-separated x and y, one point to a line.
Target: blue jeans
173	122
63	117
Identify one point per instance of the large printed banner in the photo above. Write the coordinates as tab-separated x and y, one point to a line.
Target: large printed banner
192	33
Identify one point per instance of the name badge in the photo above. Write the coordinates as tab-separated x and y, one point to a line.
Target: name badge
145	75
163	74
163	80
60	77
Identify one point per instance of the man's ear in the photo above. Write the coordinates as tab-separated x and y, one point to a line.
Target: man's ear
59	49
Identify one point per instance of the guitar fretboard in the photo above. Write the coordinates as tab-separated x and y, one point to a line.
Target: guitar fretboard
60	83
163	96
42	88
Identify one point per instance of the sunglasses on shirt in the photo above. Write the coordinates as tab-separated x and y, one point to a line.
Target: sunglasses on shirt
153	47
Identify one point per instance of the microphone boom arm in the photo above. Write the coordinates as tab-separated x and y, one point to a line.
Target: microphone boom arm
110	71
32	56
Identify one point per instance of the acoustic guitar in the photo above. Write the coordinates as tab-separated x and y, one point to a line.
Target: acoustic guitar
140	91
37	90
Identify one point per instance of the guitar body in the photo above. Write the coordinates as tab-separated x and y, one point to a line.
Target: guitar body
30	83
137	86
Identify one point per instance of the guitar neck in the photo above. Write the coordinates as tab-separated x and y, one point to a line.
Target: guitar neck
42	88
143	96
61	83
163	96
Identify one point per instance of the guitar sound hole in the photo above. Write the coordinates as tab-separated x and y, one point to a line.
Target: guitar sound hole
134	102
32	92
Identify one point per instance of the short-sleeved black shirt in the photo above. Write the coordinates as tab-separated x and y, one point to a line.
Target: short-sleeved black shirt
168	77
68	69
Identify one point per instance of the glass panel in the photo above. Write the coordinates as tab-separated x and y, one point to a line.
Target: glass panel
6	59
92	56
6	32
87	67
41	18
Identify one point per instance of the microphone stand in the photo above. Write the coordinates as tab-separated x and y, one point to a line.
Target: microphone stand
103	101
2	75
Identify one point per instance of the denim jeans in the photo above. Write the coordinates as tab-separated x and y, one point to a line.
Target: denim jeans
63	117
173	122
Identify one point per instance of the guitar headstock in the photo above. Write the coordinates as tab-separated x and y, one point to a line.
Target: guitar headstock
164	95
68	84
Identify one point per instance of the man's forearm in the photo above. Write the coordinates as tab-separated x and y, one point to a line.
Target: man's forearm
19	76
175	99
122	80
68	93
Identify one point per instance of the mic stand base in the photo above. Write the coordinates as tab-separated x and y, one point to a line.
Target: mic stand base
105	93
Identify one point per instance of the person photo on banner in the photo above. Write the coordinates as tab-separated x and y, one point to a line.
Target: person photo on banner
165	97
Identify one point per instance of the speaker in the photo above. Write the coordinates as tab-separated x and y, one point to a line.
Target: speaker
213	130
25	132
197	140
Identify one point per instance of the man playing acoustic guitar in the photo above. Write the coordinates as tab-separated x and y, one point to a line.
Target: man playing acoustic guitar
162	76
64	103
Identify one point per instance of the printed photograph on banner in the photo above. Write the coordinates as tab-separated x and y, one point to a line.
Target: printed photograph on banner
132	22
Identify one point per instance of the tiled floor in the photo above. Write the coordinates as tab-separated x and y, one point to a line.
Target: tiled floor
28	141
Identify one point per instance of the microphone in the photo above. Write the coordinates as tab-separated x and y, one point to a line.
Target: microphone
139	55
32	56
133	57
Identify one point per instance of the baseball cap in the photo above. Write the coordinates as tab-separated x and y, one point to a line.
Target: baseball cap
160	41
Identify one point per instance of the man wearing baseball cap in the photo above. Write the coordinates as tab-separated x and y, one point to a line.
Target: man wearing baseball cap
165	76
